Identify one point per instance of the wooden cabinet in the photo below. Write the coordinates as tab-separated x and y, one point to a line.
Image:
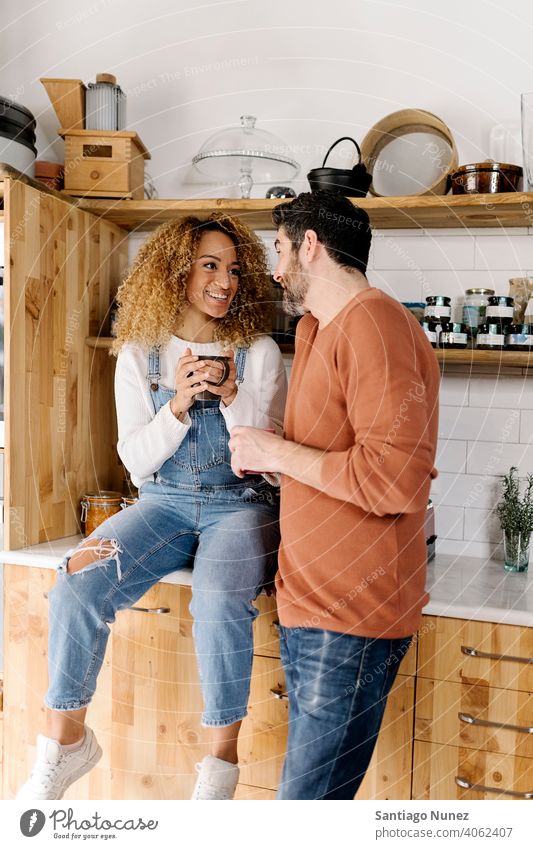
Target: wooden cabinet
474	711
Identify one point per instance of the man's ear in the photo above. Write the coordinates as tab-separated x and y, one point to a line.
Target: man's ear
311	245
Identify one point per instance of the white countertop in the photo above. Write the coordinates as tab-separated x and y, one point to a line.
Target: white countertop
48	555
460	587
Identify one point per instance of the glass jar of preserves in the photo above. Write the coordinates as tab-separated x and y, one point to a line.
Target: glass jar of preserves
453	335
432	331
491	336
519	337
475	307
128	500
438	308
500	309
96	507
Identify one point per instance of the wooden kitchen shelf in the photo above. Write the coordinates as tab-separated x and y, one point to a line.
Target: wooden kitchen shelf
510	209
472	357
450	356
99	341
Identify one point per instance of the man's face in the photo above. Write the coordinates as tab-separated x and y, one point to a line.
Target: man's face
290	275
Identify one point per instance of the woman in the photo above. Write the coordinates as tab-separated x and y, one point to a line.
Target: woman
196	289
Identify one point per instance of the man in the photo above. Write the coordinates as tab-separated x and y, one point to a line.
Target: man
356	463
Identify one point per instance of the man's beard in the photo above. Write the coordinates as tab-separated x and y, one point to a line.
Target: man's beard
296	288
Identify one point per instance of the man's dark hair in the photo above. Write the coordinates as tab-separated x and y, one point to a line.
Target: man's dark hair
343	229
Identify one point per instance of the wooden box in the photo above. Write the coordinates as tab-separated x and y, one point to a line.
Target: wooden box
104	164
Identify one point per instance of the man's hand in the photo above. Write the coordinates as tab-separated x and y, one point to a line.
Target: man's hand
256	450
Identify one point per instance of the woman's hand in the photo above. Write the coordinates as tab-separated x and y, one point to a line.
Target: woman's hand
213	372
189	381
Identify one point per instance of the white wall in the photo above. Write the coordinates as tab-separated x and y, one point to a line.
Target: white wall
312	72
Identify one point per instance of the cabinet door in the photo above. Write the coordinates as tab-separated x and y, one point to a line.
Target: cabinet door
63	266
25	669
475	717
476	653
481	775
153	704
389	773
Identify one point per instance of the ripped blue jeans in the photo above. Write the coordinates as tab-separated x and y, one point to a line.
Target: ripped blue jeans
228	534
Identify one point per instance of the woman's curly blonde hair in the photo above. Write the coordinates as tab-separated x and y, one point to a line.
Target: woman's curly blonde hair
152	296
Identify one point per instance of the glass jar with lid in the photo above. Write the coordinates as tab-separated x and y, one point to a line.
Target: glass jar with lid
96	507
453	335
475	307
438	308
500	309
491	336
432	330
519	337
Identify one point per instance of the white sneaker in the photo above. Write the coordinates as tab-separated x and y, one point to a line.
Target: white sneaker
217	779
56	769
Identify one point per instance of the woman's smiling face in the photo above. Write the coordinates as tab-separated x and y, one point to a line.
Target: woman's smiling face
214	277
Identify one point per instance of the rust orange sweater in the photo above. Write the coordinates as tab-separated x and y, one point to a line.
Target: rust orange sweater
364	389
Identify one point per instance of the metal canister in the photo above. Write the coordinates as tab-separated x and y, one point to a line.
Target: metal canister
96	507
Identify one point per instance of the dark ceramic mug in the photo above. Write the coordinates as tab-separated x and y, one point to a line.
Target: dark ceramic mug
206	395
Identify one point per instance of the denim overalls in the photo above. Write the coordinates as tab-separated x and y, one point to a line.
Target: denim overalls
194	513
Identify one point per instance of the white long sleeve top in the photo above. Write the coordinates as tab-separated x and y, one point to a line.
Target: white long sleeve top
146	440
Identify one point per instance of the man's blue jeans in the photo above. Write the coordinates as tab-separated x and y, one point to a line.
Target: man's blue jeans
338	687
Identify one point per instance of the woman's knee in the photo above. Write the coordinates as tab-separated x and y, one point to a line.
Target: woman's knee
92	553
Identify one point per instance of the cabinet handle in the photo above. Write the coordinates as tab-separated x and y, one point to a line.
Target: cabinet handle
94	175
487	723
151	609
468	785
493	656
279	694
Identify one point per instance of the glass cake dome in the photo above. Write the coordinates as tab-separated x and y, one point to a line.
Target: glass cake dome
244	155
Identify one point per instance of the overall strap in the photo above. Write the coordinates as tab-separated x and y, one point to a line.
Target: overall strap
154	374
240	361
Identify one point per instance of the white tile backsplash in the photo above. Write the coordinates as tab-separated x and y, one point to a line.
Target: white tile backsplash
487	425
449	522
420	252
454	390
526	426
468	491
451	455
496	458
503	392
505	251
467	548
482	526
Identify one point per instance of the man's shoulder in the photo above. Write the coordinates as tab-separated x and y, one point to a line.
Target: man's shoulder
375	311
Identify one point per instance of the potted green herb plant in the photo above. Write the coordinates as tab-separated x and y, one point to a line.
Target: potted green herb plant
516	518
